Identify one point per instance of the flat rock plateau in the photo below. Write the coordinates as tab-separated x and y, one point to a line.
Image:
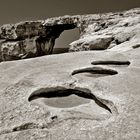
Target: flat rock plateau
92	92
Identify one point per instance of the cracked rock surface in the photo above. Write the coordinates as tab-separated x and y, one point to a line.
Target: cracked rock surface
85	95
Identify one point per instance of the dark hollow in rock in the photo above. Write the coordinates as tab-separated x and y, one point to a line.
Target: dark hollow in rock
61	97
54	117
110	62
96	71
136	46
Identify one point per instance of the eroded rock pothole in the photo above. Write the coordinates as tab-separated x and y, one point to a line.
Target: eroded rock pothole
65	102
111	63
60	97
95	71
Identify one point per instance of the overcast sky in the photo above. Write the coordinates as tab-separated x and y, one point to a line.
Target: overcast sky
12	11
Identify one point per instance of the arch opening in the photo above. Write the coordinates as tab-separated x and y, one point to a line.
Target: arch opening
66	37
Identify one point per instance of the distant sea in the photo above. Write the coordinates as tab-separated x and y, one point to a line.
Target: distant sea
60	50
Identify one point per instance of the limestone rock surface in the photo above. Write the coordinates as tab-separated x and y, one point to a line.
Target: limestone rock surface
109	31
85	95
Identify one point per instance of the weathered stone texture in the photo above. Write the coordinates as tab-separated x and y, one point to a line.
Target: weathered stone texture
87	95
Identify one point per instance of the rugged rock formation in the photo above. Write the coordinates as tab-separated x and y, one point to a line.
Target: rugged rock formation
109	31
87	95
32	38
97	32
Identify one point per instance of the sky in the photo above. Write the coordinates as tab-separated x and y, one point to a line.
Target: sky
12	11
